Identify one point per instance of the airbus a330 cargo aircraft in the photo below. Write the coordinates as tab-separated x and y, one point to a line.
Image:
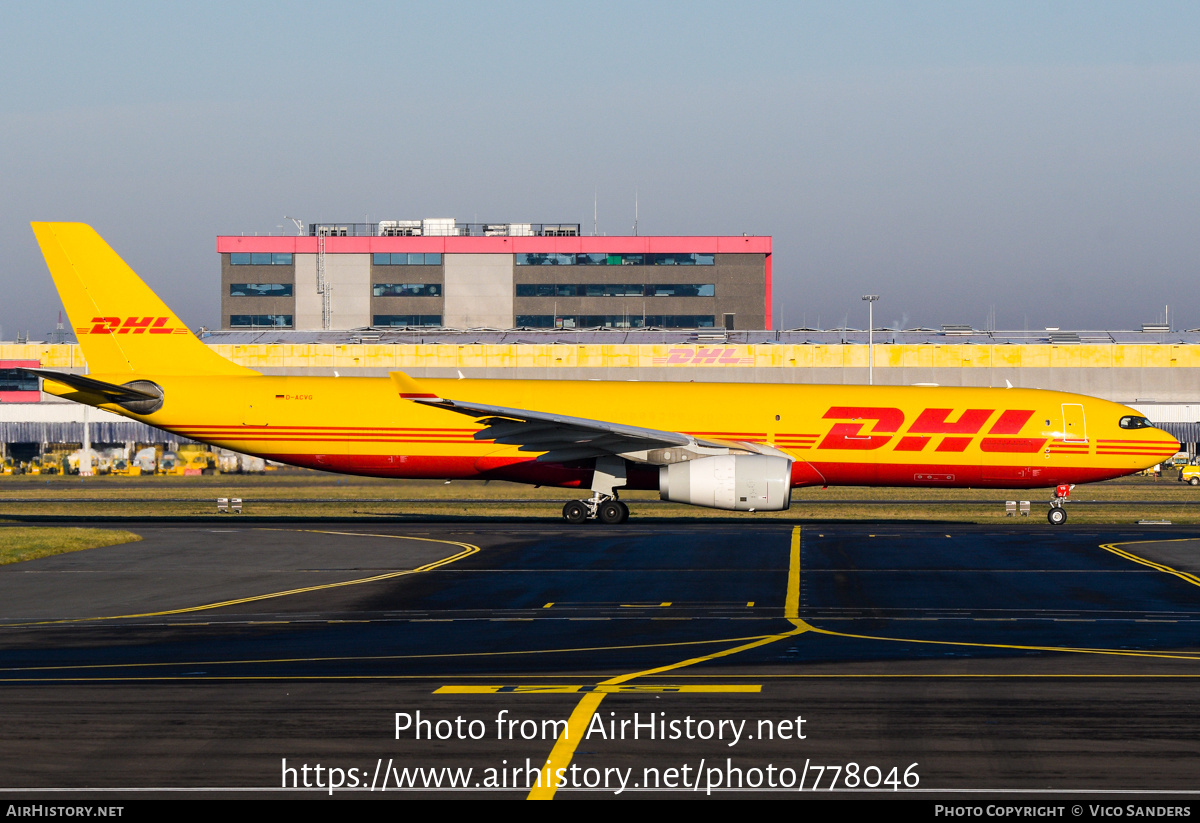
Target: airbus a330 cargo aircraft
740	447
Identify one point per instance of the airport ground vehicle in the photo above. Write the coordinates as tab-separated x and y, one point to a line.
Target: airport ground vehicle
146	460
124	468
1190	475
739	447
193	459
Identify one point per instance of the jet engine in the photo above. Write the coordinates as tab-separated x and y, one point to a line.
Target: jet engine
737	482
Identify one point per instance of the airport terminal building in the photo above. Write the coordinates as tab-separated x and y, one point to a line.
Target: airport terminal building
438	273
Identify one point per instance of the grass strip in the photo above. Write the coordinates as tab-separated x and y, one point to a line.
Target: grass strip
18	544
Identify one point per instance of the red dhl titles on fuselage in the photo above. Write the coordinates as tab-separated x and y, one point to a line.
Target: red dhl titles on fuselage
1031	444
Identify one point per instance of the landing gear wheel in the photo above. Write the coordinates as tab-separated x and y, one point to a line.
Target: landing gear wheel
612	511
575	512
624	511
1057	516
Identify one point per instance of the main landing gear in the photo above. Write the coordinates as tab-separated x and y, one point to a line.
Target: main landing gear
1057	514
602	507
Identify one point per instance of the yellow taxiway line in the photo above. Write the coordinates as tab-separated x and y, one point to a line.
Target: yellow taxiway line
467	550
564	747
605	688
1184	576
442	655
581	717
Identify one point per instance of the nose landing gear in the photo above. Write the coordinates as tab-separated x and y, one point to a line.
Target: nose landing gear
1057	514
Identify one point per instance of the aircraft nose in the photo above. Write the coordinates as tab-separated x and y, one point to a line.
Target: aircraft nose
1149	445
1163	445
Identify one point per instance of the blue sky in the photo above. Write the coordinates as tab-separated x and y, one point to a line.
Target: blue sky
1036	159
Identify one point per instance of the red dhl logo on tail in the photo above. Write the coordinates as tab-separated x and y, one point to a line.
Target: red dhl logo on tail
704	356
130	325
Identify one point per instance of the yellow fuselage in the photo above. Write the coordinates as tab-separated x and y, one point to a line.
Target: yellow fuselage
837	435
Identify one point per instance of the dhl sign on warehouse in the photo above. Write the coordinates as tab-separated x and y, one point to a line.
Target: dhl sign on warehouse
832	363
1160	379
804	356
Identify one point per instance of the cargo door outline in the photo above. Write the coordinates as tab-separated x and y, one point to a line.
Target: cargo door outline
1074	423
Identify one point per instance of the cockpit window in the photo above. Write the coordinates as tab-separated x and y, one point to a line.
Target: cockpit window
1136	423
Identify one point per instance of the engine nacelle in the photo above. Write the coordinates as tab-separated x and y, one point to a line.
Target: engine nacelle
737	482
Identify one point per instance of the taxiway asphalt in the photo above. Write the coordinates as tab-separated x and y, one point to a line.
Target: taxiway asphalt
1016	661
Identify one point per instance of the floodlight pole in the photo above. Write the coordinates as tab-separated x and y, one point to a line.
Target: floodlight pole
870	298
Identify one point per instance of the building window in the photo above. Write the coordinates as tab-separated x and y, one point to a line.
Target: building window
613	290
260	258
626	260
616	321
255	321
407	320
407	259
407	290
260	289
546	259
683	290
599	259
689	259
13	380
546	290
616	290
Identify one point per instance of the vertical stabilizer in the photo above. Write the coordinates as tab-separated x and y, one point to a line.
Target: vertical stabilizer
121	325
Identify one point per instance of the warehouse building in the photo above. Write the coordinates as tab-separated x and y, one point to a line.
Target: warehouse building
437	273
1156	371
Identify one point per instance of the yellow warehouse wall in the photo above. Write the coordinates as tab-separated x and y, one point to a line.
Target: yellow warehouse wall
311	355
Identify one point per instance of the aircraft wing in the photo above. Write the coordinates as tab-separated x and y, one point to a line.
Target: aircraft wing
561	437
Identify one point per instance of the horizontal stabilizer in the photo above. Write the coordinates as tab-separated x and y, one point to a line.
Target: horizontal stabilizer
115	393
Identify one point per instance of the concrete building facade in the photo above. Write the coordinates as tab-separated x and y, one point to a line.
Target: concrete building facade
495	276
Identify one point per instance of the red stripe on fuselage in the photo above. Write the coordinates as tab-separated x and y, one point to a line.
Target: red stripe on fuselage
1011	445
885	474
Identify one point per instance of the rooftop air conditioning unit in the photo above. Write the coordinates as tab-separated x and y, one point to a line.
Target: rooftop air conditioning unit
956	328
495	230
439	227
560	231
399	228
520	230
333	231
